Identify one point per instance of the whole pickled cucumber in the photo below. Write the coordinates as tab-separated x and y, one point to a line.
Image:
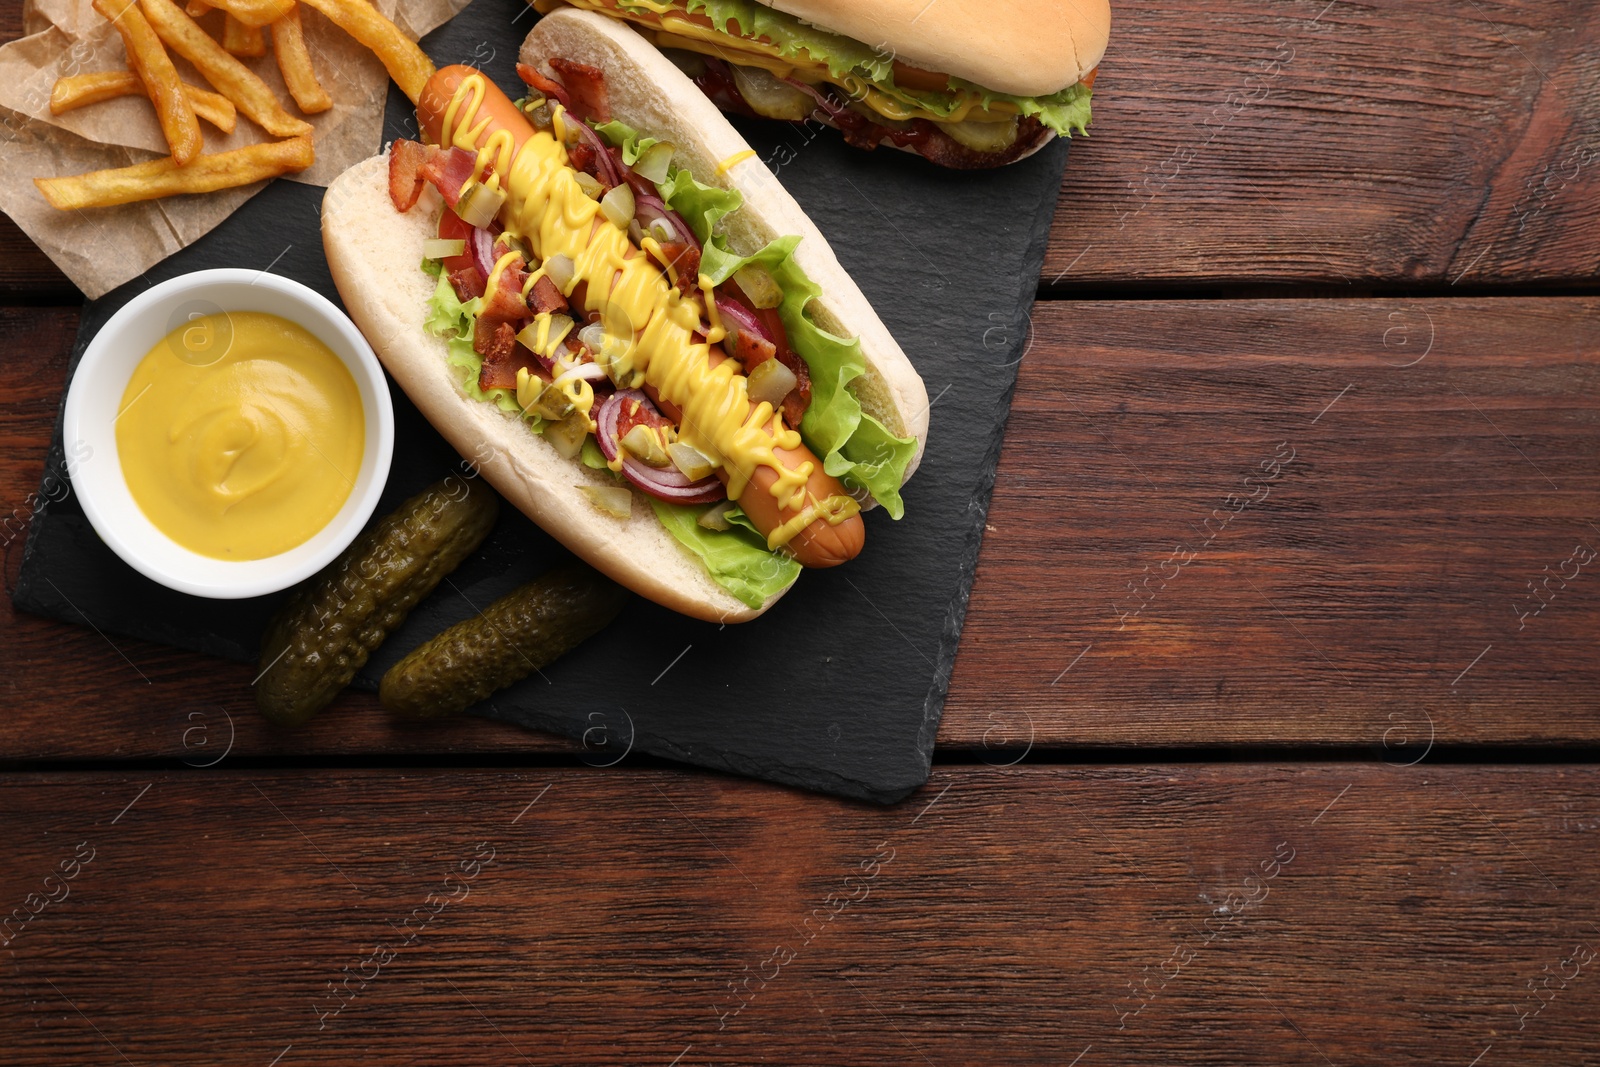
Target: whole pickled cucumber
324	634
525	630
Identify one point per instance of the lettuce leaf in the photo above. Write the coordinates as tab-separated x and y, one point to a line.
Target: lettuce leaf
702	206
738	559
1064	112
854	446
841	54
627	139
592	457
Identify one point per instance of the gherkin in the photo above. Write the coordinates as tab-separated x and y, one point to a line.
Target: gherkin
526	630
323	635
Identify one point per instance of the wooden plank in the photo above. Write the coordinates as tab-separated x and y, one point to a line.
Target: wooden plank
27	275
1341	607
1212	915
1293	522
1345	143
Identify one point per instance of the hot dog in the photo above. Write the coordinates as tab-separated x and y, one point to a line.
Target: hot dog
821	543
964	84
572	309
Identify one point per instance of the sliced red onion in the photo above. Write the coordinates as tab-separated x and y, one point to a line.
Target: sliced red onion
685	232
481	242
648	207
739	316
608	166
816	94
667	483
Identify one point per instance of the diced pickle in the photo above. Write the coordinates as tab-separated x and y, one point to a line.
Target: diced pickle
771	381
614	500
566	435
645	446
716	516
692	463
479	204
758	285
554	404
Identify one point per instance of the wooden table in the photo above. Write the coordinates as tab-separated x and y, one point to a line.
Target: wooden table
1273	733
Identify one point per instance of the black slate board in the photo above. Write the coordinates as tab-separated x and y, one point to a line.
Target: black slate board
839	688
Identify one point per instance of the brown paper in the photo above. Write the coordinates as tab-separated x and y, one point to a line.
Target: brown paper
100	249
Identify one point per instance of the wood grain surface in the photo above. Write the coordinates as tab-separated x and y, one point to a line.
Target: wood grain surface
1357	522
1407	577
1220	915
1405	568
1351	143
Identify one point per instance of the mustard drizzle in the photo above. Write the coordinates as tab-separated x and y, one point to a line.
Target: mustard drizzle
548	210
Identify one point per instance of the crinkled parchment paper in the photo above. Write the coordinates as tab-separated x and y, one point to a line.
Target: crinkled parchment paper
100	249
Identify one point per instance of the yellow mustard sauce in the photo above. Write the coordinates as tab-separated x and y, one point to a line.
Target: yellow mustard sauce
548	210
240	435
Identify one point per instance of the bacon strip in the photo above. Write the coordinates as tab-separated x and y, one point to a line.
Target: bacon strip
587	86
583	157
685	259
405	172
546	297
468	282
504	308
534	80
498	348
794	405
448	171
754	351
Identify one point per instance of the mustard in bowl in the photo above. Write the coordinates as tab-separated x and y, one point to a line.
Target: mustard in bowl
237	431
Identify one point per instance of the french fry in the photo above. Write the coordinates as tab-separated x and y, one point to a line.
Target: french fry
242	40
154	68
255	13
407	64
226	74
197	9
68	94
294	61
164	177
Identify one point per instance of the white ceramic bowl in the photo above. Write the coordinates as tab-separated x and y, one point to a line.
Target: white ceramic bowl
96	394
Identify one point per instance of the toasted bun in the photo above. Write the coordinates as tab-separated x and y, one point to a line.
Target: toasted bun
1022	47
372	249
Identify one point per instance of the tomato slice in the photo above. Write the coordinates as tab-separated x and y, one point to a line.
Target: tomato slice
634	413
453	228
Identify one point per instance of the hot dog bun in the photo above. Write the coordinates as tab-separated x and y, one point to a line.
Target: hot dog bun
1025	47
372	251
